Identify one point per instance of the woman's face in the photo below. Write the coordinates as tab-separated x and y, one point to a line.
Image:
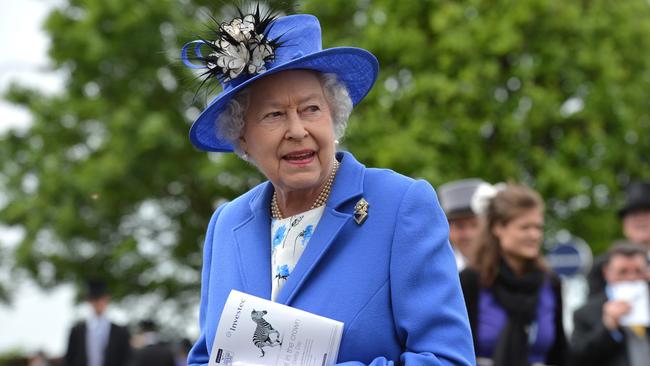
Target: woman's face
288	131
521	237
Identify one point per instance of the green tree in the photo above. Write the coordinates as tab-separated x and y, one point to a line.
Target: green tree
553	94
106	183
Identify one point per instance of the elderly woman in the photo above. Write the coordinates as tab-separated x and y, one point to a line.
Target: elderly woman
514	301
367	247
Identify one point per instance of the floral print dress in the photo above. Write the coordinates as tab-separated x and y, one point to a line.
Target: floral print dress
289	237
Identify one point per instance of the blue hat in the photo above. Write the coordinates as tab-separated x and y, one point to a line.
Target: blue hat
295	43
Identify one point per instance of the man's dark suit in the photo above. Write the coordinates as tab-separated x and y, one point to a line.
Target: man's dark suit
592	343
159	354
118	349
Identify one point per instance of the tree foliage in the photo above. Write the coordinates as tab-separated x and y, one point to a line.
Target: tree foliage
106	183
548	93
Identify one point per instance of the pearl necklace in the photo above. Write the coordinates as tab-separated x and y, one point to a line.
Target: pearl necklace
320	200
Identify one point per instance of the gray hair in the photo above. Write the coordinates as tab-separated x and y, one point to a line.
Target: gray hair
231	120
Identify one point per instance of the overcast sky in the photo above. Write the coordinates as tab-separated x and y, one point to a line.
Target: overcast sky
23	53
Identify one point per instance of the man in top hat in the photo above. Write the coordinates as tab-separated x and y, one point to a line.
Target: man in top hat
456	201
97	341
635	222
635	214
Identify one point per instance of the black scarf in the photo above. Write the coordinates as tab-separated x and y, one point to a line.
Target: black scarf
518	296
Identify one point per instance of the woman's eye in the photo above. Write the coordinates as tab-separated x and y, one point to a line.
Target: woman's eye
273	114
313	108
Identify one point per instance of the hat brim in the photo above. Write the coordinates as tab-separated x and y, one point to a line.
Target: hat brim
460	214
356	68
637	206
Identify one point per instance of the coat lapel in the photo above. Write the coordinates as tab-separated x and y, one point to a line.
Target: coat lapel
82	341
253	237
347	185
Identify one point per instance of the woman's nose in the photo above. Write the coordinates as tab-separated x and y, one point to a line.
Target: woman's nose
536	233
295	129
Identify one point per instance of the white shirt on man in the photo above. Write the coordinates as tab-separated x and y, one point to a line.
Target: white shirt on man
98	329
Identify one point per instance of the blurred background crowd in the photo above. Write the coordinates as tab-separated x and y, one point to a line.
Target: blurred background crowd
98	181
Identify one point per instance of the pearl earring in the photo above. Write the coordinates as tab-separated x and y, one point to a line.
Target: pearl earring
336	142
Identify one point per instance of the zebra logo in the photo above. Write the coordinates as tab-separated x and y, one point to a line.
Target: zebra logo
263	331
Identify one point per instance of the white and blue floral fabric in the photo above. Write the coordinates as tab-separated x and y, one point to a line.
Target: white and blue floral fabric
289	237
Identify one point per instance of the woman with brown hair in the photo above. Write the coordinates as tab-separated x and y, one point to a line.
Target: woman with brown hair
513	300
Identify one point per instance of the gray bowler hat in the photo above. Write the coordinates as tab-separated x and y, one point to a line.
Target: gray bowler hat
456	197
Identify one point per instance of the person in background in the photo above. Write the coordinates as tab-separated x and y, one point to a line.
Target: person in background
39	359
323	226
635	215
97	341
181	350
150	350
598	338
513	300
456	201
635	223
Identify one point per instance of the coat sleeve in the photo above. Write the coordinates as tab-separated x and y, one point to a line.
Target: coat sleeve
71	353
591	342
198	355
123	346
428	306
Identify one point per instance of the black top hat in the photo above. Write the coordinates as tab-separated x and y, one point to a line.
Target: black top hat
637	197
96	289
147	325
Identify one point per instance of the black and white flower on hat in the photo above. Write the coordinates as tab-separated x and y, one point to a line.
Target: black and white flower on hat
240	47
240	29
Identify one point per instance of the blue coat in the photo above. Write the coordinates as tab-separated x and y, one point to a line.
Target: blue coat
392	280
